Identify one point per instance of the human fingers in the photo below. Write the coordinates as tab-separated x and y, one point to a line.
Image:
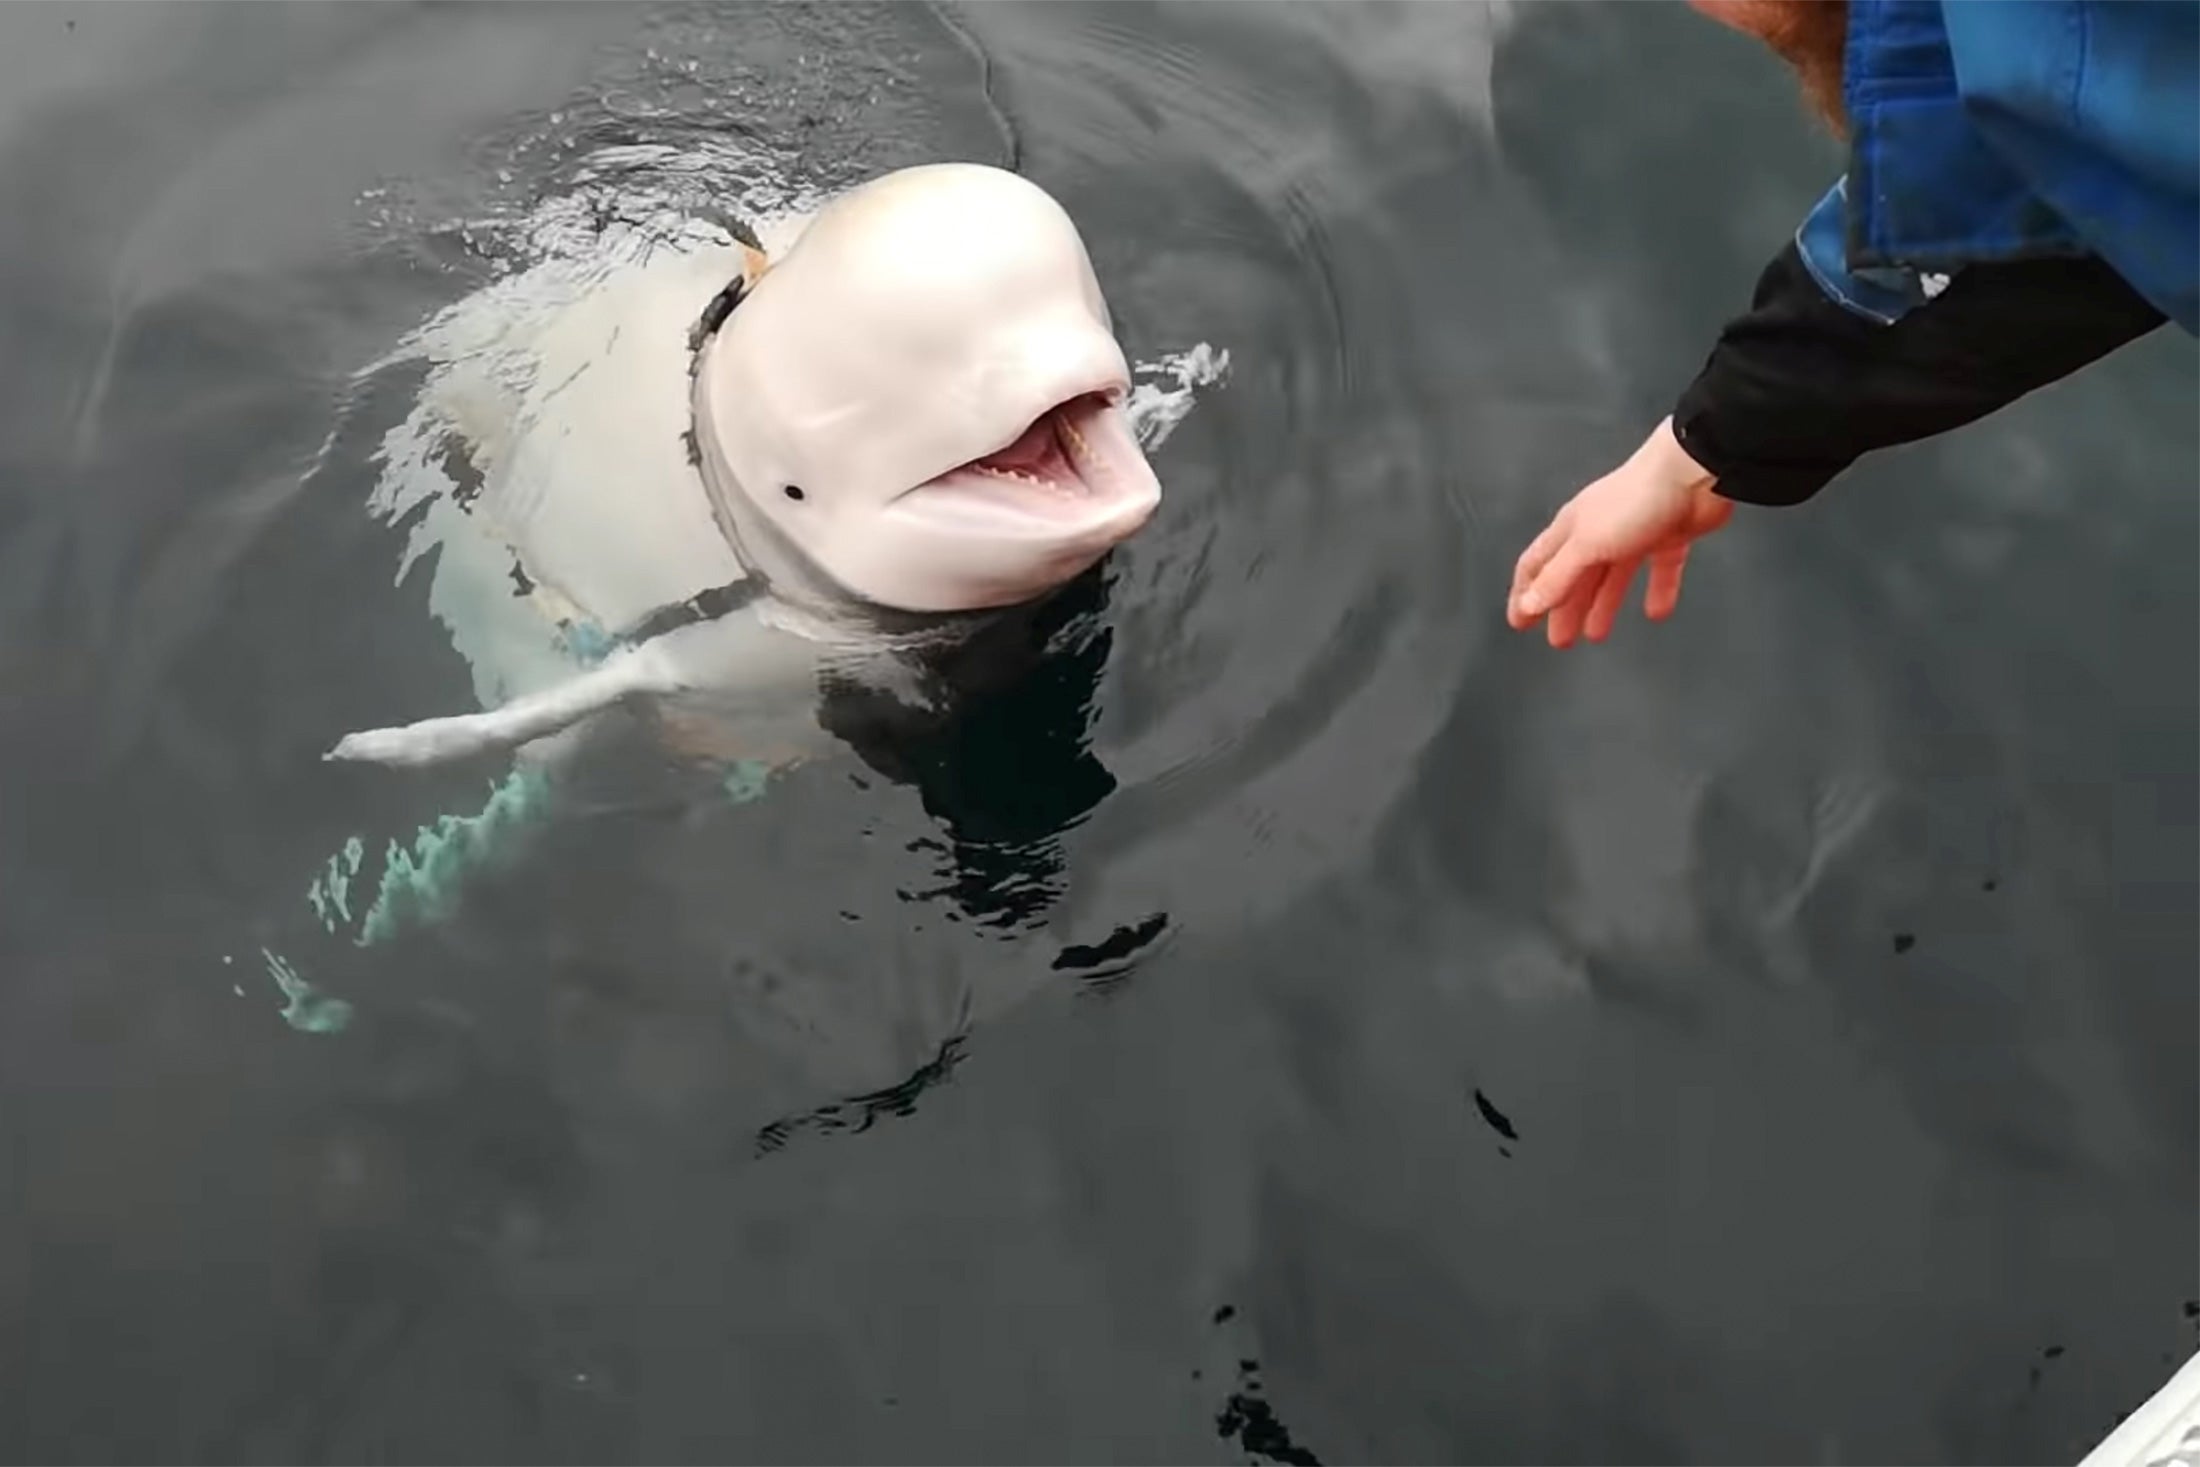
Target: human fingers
1610	597
1558	580
1663	593
1531	563
1564	625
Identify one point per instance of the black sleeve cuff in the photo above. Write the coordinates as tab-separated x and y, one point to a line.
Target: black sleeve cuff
1743	477
1799	387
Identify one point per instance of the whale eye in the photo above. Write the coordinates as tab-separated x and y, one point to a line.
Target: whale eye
794	491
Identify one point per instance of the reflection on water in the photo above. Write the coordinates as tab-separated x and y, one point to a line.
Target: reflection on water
1271	1011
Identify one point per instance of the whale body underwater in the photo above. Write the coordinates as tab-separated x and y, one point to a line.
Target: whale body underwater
703	484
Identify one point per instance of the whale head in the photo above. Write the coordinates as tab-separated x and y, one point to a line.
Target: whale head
921	404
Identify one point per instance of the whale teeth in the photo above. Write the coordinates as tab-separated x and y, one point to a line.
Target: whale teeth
1018	476
1076	456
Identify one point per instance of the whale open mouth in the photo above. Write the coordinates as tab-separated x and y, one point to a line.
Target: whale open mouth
1074	469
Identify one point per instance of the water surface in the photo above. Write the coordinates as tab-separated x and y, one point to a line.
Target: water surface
1302	1019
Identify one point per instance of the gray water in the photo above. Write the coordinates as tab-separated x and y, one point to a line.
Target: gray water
1305	1022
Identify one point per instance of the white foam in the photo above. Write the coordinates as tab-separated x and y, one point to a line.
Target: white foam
1155	407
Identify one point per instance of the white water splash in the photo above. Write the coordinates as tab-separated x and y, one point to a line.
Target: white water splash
623	207
621	202
1156	407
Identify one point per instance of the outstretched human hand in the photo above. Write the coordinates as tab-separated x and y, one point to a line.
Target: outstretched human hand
1577	572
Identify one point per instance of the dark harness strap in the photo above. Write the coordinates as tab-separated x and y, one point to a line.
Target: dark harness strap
714	316
724	600
702	606
721	600
722	304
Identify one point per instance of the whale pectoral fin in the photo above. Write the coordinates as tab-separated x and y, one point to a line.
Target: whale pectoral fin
641	670
430	741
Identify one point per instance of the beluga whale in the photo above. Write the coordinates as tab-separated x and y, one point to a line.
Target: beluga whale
700	484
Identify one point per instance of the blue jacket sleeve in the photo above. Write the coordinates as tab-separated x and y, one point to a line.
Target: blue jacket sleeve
2095	104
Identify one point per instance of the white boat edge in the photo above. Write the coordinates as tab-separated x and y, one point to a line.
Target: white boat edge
2163	1432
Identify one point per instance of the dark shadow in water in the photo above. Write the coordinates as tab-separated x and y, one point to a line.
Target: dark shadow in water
1104	966
1247	1417
1002	757
859	1113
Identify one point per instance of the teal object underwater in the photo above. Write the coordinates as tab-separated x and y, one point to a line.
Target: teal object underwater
307	1011
421	884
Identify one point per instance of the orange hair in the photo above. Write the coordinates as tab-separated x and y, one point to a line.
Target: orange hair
1809	35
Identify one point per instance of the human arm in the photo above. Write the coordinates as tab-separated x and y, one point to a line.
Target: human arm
1800	387
1794	392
